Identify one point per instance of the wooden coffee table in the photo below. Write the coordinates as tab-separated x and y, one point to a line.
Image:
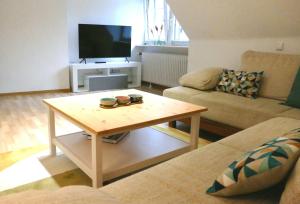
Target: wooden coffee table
143	147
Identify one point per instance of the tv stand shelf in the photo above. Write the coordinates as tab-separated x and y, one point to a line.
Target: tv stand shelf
106	70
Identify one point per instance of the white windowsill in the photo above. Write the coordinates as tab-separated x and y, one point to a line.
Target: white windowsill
164	49
165	46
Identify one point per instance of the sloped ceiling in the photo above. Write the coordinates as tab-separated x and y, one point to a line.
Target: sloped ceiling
231	19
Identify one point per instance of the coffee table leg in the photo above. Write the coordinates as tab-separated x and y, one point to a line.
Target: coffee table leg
195	125
172	124
97	162
52	134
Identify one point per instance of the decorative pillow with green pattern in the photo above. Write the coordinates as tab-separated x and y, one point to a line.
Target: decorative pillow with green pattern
260	168
240	83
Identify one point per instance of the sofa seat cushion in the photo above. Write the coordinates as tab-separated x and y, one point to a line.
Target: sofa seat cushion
185	179
259	134
278	69
181	93
68	195
292	113
237	111
291	192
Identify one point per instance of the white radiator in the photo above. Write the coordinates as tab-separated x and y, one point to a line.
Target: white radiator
163	69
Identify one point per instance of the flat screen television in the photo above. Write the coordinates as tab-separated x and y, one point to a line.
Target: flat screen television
104	41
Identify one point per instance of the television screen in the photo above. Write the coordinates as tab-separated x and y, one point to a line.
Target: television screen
104	41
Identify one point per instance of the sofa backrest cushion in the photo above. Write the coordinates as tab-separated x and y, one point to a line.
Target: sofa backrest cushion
279	72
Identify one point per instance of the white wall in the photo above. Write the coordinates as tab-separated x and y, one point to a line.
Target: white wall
227	53
232	19
39	38
112	12
220	31
33	45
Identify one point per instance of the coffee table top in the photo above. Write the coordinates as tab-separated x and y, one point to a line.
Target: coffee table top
84	111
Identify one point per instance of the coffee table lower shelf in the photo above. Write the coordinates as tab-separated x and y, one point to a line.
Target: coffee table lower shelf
140	149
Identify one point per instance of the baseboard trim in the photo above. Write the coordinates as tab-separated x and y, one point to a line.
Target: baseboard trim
37	92
154	85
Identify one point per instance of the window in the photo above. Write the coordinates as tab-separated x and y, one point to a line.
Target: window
162	28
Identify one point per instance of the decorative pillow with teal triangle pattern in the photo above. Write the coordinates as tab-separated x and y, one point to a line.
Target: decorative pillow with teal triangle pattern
240	83
260	168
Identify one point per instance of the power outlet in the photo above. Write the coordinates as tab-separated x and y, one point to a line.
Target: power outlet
280	46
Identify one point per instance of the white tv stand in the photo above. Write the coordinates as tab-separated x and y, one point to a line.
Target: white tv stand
106	69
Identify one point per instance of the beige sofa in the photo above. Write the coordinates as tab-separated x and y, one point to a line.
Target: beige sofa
184	179
240	112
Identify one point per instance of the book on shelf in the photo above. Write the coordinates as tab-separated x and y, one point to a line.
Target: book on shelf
113	139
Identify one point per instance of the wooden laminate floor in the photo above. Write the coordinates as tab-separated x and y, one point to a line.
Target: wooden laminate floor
24	120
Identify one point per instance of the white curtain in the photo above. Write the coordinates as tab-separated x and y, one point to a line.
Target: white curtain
161	24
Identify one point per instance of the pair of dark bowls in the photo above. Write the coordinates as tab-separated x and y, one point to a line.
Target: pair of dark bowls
136	98
121	100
